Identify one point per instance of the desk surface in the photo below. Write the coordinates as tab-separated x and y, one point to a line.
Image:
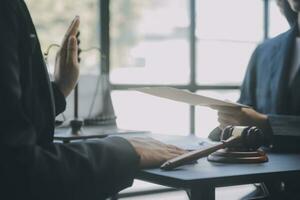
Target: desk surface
280	166
91	132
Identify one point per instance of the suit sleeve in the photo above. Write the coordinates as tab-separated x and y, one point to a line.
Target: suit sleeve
59	98
83	170
285	130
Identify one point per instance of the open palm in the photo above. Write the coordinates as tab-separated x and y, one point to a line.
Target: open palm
66	71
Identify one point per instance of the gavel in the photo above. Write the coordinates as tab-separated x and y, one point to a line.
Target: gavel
233	137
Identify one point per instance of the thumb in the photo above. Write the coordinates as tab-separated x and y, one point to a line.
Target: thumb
72	51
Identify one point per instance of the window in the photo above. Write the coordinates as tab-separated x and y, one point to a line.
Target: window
52	18
143	112
149	39
176	43
149	45
170	42
229	31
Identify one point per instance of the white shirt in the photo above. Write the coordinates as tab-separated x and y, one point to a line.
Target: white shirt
295	62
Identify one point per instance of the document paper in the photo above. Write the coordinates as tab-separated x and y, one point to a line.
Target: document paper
187	97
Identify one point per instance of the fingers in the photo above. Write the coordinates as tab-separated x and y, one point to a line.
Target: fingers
230	117
152	152
71	32
225	108
222	126
230	111
72	51
170	156
174	147
73	28
225	123
176	150
166	147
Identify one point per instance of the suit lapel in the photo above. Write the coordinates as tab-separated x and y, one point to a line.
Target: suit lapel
281	68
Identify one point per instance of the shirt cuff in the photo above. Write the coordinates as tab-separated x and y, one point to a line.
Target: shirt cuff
127	164
285	132
284	125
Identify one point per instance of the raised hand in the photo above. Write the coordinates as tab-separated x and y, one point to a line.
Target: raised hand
66	71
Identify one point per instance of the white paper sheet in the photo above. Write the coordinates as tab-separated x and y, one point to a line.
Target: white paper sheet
187	97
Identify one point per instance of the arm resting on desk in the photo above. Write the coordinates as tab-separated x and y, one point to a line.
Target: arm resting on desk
89	170
28	170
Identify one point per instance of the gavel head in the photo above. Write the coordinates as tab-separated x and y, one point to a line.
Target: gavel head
250	138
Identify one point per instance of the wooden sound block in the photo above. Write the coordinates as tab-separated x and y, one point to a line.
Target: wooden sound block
234	156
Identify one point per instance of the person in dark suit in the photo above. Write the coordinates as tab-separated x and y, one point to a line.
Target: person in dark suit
271	87
31	165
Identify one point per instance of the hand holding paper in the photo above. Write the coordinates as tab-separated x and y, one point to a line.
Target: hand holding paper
244	117
229	113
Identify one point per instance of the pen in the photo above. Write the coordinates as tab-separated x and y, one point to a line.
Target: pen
196	154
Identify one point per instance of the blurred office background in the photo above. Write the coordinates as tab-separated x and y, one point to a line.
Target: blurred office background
199	45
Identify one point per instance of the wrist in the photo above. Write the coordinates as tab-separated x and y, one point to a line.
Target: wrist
136	150
61	88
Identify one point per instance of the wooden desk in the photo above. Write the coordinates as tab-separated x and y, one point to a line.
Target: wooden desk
201	179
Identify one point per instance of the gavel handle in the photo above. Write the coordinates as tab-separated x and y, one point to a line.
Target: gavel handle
196	154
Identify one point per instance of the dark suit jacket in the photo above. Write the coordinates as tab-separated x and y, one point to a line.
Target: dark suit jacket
266	89
31	165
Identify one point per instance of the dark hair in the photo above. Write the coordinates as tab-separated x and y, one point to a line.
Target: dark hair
290	15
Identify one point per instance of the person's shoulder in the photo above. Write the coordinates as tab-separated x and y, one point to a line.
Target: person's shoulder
10	5
12	16
267	48
275	41
11	10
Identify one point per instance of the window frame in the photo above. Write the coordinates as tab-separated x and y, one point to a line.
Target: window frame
192	86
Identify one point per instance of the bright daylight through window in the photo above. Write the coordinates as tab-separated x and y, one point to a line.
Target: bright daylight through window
151	45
